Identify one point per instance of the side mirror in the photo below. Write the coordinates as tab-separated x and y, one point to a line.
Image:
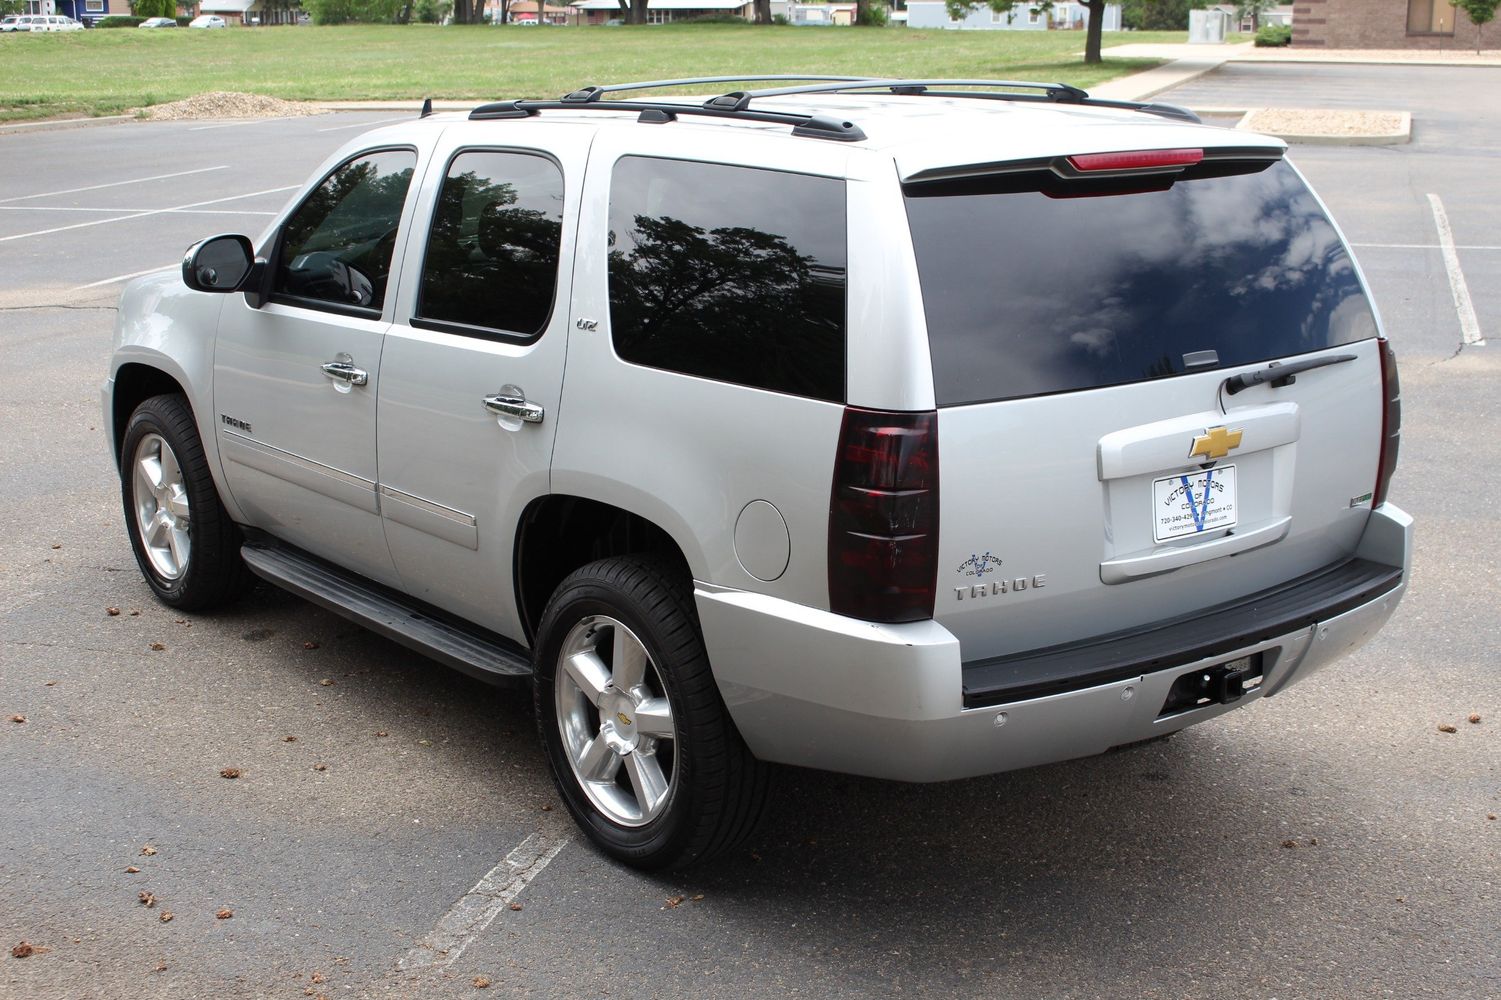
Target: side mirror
218	264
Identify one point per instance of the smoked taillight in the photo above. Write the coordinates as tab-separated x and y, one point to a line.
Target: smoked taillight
1391	420
883	516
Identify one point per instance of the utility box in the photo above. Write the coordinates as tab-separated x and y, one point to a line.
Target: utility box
1207	27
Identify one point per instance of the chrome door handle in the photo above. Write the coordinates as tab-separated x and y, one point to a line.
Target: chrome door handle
345	372
514	406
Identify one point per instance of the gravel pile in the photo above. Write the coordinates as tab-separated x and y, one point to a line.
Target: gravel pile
226	104
1287	121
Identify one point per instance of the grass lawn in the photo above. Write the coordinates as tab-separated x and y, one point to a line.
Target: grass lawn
106	71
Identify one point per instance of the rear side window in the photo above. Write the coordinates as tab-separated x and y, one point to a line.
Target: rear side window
492	251
1032	288
729	273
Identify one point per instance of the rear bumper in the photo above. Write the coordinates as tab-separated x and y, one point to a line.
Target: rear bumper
819	690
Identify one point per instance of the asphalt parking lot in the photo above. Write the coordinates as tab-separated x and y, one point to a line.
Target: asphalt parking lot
388	809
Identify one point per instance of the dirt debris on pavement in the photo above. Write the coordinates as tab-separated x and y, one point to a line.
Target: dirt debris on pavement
229	104
1303	121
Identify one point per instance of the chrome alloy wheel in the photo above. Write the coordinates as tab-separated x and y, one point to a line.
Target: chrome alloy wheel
161	507
615	721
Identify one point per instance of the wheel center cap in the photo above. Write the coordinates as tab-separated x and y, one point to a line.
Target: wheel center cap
618	718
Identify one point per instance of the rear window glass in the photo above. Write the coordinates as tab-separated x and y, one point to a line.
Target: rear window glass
1030	290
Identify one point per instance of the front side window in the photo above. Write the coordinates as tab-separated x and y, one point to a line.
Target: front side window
336	248
492	251
729	273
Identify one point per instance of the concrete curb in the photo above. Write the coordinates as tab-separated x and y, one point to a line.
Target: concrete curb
62	123
1402	134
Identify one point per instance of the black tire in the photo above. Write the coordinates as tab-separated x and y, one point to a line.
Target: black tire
717	790
211	572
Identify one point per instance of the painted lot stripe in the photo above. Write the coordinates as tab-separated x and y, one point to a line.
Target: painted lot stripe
469	917
142	215
121	277
247	121
1469	325
98	187
379	121
117	211
1422	246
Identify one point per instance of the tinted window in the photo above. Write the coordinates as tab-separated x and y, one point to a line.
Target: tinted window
1029	290
337	246
729	273
492	253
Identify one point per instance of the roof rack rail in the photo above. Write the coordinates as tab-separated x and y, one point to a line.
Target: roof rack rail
1054	93
736	104
809	126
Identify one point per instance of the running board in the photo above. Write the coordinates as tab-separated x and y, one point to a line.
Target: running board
478	653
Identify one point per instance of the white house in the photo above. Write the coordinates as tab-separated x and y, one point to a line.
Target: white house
664	11
1022	17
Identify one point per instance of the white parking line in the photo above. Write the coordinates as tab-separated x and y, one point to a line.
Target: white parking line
478	907
1469	326
1422	246
117	211
97	187
381	121
247	121
142	215
120	277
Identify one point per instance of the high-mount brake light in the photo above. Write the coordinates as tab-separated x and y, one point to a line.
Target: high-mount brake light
1141	159
1391	421
883	516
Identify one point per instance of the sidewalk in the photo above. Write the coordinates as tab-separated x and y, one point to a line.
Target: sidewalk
1187	62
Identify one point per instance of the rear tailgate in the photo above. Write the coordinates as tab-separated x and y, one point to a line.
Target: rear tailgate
1098	475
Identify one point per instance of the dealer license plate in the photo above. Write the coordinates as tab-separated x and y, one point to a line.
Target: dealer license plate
1194	503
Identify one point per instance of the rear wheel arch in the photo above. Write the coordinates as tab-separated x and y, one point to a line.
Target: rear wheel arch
558	534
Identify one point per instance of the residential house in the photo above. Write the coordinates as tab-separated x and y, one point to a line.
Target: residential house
246	12
525	12
1382	24
665	11
86	11
1022	17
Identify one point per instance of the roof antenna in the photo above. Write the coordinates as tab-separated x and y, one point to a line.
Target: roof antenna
427	107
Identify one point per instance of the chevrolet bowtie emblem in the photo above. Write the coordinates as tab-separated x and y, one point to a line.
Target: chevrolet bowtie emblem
624	719
1214	443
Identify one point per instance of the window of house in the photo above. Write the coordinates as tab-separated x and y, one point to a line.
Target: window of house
492	252
1430	17
1034	16
729	273
94	6
658	16
336	248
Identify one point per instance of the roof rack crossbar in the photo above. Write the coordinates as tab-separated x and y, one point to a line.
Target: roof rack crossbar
811	126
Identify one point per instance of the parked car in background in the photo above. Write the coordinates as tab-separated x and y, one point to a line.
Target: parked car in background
10	23
54	22
207	21
158	22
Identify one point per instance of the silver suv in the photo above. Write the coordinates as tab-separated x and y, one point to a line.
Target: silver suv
914	429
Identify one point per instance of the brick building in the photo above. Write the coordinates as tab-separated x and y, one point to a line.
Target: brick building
1383	24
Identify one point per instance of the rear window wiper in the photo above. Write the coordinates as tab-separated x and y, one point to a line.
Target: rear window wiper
1279	374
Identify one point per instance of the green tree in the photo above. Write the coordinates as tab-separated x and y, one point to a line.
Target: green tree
155	8
1253	9
1481	12
1159	15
